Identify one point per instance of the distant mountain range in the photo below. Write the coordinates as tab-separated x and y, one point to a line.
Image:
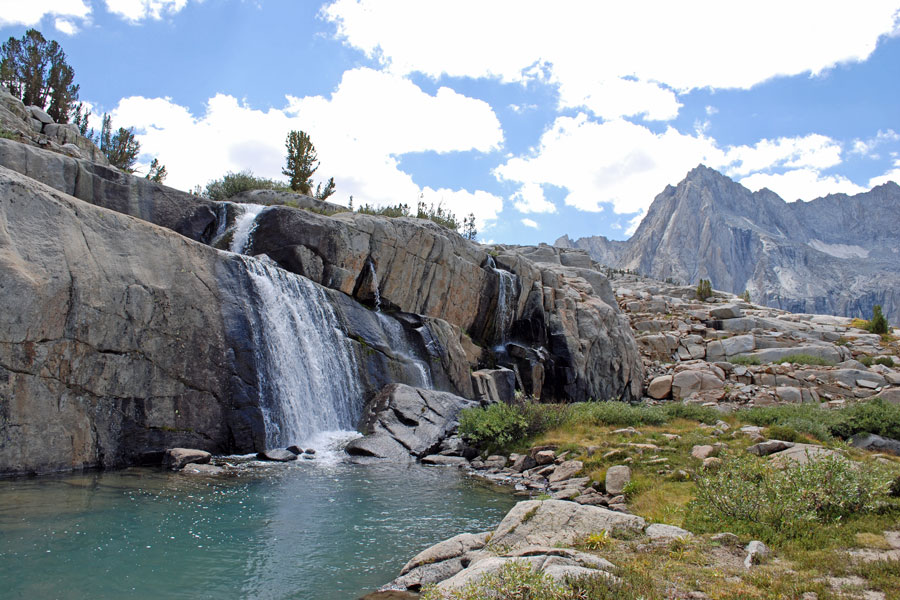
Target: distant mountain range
837	255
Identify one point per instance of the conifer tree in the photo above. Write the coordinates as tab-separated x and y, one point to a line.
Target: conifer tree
35	71
301	161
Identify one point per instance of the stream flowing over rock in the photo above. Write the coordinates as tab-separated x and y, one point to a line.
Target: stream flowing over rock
128	327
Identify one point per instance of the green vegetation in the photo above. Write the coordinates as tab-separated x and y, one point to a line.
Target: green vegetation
875	416
744	360
745	296
704	289
878	324
881	360
438	214
517	581
35	71
469	231
121	147
301	163
157	172
7	135
233	184
749	495
806	359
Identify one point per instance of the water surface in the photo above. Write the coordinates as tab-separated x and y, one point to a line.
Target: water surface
305	530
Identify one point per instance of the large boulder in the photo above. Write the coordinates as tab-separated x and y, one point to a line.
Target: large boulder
552	522
402	422
494	385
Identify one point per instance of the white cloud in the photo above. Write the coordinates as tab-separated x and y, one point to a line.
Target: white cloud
801	184
137	10
711	110
530	223
30	12
587	47
617	162
812	151
530	199
867	147
892	175
66	26
369	120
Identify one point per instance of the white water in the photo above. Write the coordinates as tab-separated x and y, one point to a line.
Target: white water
403	350
505	312
307	370
244	226
375	285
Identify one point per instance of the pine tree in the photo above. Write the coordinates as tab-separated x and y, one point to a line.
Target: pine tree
704	289
878	324
157	172
35	71
323	193
469	231
301	161
120	147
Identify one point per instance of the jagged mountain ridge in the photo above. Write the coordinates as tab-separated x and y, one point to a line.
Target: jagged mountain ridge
837	254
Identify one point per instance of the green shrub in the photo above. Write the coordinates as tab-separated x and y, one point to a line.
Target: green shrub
745	296
704	289
517	581
806	359
785	434
617	414
744	360
7	135
886	361
692	412
878	324
866	360
748	493
811	419
875	416
233	184
493	428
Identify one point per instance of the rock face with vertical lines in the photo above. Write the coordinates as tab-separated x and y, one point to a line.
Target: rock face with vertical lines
834	255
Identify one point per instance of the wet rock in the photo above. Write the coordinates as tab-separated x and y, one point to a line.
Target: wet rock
177	458
202	469
277	455
444	461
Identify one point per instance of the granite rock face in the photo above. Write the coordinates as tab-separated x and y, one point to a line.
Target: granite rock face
833	255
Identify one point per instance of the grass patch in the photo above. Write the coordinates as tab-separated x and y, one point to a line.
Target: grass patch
806	359
745	360
7	135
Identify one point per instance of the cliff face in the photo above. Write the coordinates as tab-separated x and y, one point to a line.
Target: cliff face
838	254
124	332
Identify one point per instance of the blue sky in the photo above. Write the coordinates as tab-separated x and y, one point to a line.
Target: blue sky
541	122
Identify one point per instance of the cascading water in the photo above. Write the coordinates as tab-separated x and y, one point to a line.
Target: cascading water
244	226
403	350
307	370
375	285
505	311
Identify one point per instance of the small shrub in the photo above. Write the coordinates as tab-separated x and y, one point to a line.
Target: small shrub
811	419
807	359
866	360
7	135
745	296
744	360
704	289
785	434
875	416
750	493
878	324
884	361
493	428
859	324
232	184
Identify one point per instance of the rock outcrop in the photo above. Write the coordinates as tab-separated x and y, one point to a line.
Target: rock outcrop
833	255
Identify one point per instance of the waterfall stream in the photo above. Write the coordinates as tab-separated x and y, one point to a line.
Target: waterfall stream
505	312
307	369
244	226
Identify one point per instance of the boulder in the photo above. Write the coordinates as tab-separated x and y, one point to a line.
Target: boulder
800	454
276	455
566	470
403	421
494	385
660	531
40	115
757	552
875	443
738	344
440	460
617	477
702	452
726	311
685	383
552	522
660	387
177	458
790	395
523	462
769	447
544	457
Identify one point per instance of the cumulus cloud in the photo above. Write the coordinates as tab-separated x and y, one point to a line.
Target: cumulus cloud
812	151
801	184
626	164
66	26
30	12
138	10
615	59
359	131
892	175
530	199
867	147
530	223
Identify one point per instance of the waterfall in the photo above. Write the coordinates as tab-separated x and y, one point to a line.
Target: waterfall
307	369
404	351
375	285
505	312
244	226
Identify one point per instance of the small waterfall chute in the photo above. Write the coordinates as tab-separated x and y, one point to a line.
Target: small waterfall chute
507	297
244	226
